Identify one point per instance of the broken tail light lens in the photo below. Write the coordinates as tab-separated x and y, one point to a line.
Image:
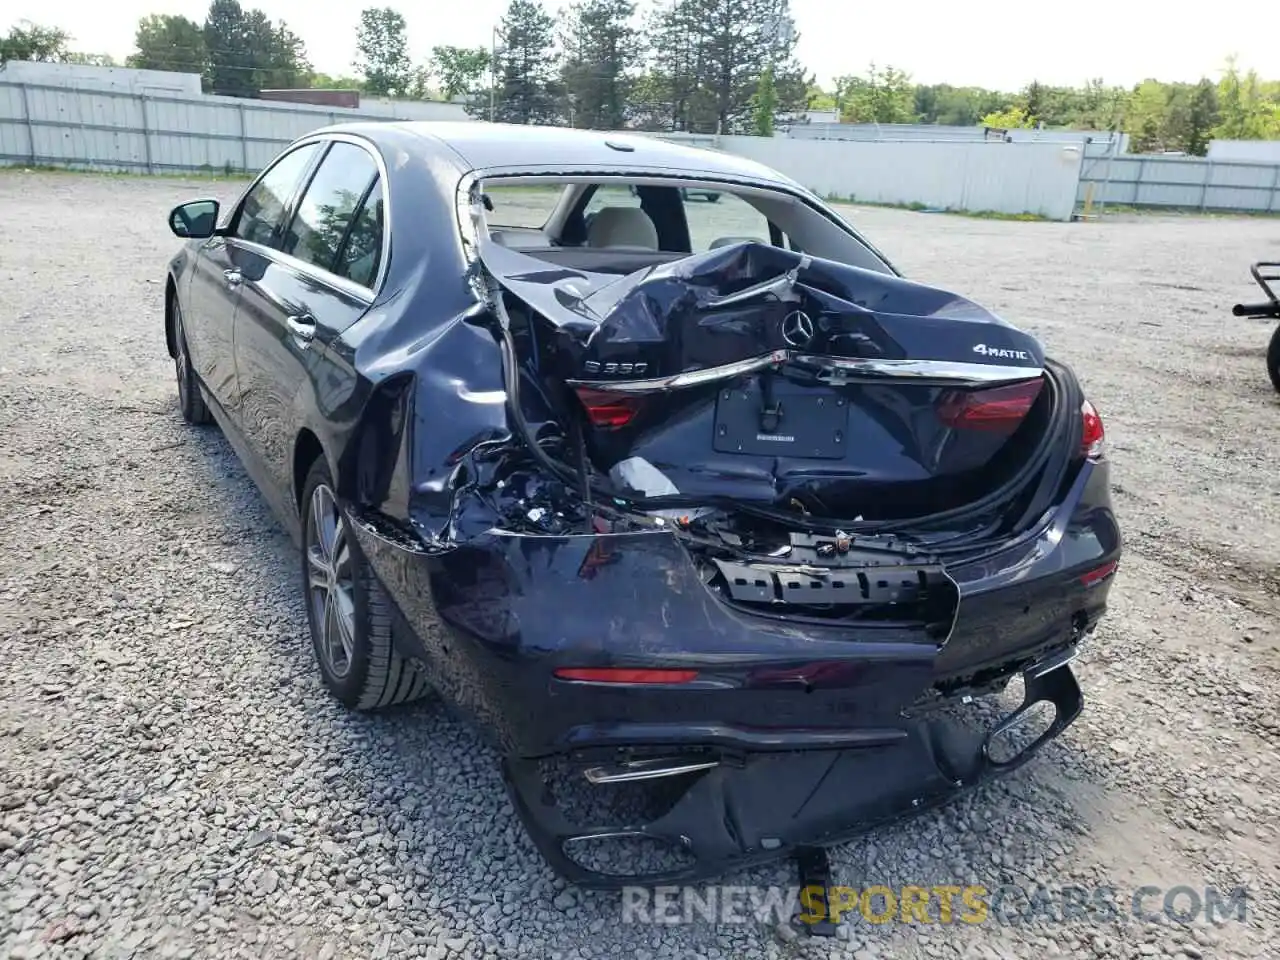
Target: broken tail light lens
995	410
608	410
624	675
1099	574
1093	442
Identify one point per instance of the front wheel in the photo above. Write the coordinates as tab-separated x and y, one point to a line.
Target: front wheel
1273	360
348	611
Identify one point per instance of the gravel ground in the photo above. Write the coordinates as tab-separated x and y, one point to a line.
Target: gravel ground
175	782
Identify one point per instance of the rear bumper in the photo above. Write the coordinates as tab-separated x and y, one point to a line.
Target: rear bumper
766	805
494	618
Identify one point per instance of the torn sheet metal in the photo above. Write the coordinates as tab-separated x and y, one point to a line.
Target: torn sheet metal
752	301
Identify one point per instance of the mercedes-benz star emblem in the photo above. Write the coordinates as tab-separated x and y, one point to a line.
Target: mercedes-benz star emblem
797	328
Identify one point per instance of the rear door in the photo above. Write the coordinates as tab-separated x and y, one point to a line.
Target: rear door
299	296
210	303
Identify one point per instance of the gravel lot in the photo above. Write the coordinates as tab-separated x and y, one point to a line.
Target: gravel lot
174	781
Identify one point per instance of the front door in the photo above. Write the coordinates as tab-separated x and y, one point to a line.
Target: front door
218	278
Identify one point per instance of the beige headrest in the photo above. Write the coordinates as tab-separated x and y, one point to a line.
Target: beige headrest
622	227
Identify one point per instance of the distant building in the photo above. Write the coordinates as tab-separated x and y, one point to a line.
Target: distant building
164	84
323	98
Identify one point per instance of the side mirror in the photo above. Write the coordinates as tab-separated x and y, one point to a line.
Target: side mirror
195	219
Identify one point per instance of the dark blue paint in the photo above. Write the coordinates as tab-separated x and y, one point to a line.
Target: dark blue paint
405	395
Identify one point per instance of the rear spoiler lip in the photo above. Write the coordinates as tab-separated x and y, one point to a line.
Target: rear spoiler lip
835	369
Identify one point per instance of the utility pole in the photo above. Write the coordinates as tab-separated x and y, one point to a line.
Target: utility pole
493	73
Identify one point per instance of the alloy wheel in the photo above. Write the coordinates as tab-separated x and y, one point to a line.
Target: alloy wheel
330	584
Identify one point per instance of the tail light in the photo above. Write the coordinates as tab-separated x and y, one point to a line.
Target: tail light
624	675
1093	442
608	410
996	410
1099	574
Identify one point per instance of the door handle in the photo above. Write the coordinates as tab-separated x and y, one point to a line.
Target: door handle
302	326
233	277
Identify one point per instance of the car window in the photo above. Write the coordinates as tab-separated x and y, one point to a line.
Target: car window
264	207
361	254
518	206
610	195
329	205
719	218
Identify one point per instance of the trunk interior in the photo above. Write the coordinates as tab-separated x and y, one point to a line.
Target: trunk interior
866	451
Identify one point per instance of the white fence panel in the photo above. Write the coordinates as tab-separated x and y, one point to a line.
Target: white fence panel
1189	183
1036	178
117	129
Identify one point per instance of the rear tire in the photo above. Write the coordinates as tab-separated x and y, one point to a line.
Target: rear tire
1273	360
348	611
190	399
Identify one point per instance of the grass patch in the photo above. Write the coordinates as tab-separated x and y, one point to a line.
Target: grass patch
1176	212
917	207
206	173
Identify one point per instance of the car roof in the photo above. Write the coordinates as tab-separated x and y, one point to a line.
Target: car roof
489	146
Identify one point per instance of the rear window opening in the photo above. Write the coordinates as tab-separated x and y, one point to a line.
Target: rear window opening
617	224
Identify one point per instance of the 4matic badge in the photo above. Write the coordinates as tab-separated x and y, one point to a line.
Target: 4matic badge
1001	352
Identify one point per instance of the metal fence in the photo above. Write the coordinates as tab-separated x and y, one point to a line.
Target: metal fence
1186	183
51	125
57	125
1097	141
976	177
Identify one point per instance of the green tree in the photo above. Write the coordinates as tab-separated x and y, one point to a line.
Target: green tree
245	52
92	59
1099	107
1245	111
957	106
1010	118
325	81
226	41
709	56
277	54
167	42
459	69
1035	102
764	105
527	66
601	48
382	52
670	94
1202	116
882	96
650	107
1146	122
31	41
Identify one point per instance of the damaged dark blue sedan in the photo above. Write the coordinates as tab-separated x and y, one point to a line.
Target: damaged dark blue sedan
710	518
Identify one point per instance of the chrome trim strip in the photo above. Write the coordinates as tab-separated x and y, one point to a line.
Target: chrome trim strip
838	369
646	770
946	370
779	286
1052	662
310	270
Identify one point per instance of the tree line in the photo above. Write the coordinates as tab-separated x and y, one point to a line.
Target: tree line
1158	116
701	66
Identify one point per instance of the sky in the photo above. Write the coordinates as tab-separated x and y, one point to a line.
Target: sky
999	44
